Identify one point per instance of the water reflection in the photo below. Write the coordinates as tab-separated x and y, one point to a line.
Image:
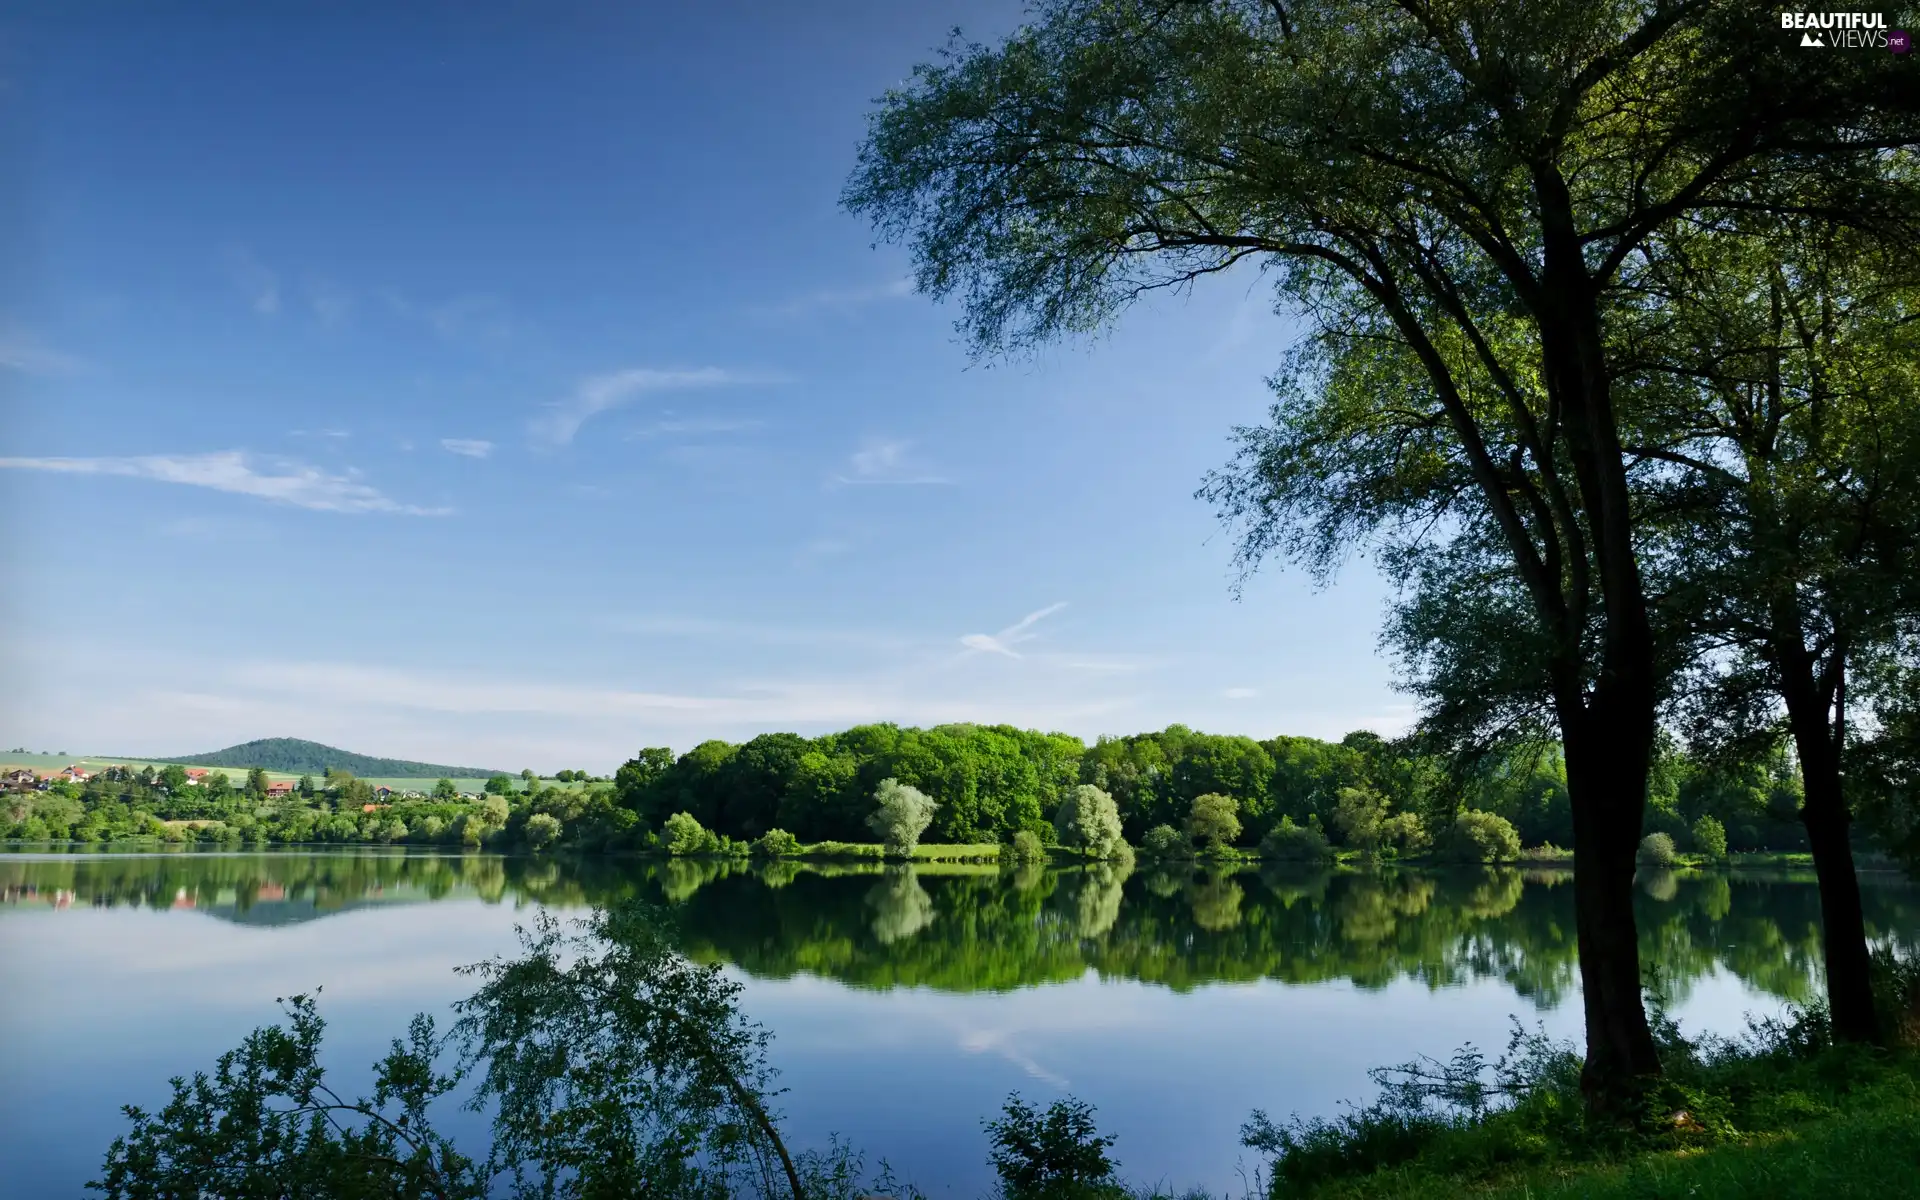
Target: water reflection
975	927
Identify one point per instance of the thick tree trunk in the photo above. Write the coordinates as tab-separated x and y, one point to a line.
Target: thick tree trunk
1843	925
1608	755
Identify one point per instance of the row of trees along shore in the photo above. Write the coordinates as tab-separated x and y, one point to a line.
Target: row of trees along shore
987	783
1608	360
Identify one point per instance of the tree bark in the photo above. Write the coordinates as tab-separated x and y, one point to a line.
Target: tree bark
1824	813
1607	788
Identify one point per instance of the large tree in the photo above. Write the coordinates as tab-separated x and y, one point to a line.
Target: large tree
1470	184
1781	435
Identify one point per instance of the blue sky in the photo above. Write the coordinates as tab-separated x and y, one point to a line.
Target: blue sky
506	386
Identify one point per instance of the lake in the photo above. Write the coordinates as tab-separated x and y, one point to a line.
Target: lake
905	1006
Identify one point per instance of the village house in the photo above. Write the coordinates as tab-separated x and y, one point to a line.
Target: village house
195	775
279	788
77	774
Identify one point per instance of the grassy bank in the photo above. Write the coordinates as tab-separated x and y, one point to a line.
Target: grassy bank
1780	1112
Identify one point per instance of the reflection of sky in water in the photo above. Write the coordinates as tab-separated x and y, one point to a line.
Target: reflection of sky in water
102	1005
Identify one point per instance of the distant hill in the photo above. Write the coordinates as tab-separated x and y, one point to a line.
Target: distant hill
296	756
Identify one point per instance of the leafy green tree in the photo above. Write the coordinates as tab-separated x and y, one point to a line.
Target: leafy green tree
1361	817
1287	842
305	787
901	814
1787	415
683	835
173	777
1026	847
444	791
1089	821
1214	819
1058	1154
1164	841
1709	838
257	783
1657	850
541	830
498	785
776	843
1460	201
1479	837
267	1123
529	778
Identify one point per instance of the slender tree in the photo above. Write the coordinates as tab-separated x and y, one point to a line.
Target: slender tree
1782	440
1472	182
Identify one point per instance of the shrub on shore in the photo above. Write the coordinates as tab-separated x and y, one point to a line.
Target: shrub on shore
1480	837
1287	842
1657	850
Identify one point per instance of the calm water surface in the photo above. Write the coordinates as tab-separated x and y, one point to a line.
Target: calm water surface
905	1006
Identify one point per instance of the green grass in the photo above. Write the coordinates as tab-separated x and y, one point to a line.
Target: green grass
925	852
1870	1149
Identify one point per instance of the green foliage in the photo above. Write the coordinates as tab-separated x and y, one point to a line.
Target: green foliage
1025	847
1058	1154
499	785
776	843
1164	841
1657	850
541	830
1710	838
444	791
1214	820
266	1123
901	814
1479	837
1287	842
682	835
1088	821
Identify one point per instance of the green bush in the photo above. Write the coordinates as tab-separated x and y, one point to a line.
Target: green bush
1164	841
1214	819
776	843
1477	836
1287	842
542	830
1656	850
1026	847
901	814
1710	837
682	834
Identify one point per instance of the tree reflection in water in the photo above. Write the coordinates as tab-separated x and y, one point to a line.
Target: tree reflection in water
976	927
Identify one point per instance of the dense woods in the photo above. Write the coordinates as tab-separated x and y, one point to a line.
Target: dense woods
987	783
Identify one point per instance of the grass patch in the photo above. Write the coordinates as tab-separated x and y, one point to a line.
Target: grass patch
925	852
1782	1111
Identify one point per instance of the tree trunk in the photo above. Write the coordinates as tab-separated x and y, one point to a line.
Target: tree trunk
1607	765
1824	813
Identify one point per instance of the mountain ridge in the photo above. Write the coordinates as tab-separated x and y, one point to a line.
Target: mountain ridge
298	756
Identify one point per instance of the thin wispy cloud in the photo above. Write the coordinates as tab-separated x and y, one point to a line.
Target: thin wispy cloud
1005	641
329	303
1241	693
256	281
468	317
697	427
281	481
840	300
330	434
603	393
467	447
886	461
23	352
